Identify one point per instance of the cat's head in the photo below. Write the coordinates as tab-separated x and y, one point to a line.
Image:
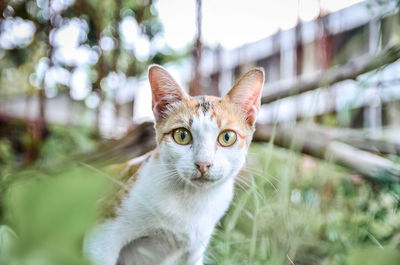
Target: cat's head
204	140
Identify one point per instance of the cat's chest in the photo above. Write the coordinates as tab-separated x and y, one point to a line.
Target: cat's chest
191	216
186	213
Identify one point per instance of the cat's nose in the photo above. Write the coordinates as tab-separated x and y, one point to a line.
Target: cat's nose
203	166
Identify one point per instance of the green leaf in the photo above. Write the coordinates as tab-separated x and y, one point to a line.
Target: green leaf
374	256
51	215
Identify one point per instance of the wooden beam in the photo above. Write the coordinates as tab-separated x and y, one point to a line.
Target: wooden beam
322	146
366	140
350	70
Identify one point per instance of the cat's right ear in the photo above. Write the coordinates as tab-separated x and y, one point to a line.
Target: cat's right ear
165	91
246	94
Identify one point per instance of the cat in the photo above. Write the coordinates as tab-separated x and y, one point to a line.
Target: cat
169	208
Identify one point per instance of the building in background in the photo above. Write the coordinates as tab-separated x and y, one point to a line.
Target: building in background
301	53
352	34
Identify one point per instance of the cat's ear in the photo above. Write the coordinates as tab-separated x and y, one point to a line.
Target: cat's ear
165	90
247	93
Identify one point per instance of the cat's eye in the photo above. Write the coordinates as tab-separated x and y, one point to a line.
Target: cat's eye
182	136
227	138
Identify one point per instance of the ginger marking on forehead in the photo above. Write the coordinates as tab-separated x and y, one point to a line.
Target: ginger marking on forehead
204	104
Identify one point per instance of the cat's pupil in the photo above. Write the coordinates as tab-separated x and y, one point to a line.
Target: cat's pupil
227	137
183	135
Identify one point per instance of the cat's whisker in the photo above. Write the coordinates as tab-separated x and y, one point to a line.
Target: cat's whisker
241	184
240	179
274	178
262	175
252	173
259	172
243	180
269	182
254	170
272	184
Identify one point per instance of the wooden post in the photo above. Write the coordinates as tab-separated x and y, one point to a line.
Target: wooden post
195	87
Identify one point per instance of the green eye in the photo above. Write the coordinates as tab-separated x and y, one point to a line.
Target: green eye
227	138
181	136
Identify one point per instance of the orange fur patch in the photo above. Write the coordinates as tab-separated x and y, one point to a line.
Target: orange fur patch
124	177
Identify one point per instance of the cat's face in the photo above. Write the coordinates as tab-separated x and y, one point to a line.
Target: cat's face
204	140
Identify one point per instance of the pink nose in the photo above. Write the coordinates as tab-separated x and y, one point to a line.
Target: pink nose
203	166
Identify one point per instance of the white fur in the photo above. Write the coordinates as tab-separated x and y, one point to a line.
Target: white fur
166	198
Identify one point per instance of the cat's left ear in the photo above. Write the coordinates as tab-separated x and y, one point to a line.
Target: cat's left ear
247	93
165	91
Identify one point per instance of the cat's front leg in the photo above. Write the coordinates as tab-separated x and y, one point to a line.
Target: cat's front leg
196	257
200	261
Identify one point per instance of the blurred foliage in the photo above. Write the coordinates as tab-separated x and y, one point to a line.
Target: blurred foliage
101	19
62	144
47	208
6	157
46	216
371	256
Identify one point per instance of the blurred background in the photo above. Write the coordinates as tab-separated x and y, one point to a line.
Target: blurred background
321	182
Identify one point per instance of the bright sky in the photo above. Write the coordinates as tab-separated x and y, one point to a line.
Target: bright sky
233	23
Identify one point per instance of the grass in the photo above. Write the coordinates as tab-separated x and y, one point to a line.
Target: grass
296	210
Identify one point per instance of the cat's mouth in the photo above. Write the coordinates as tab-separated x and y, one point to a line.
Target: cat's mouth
203	180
